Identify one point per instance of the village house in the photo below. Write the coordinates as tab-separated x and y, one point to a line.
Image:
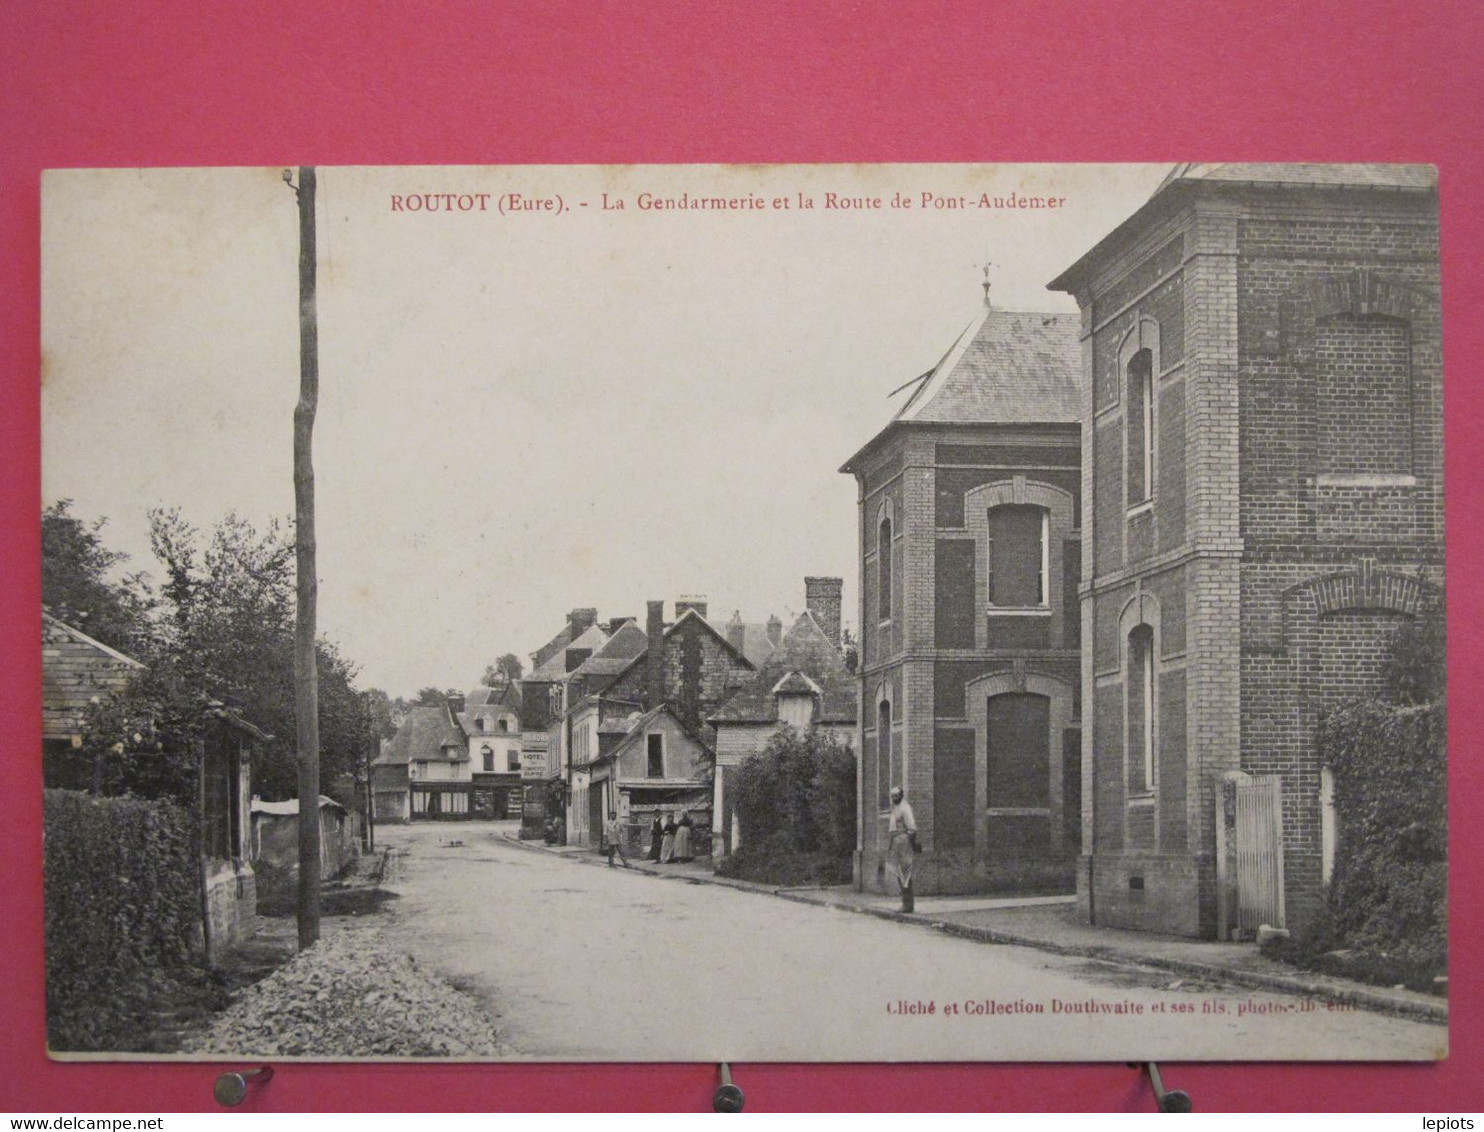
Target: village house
803	682
434	748
391	792
76	673
556	673
647	765
541	773
970	554
491	717
689	666
1262	504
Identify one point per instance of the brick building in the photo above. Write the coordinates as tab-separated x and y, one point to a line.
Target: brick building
688	666
1262	504
970	554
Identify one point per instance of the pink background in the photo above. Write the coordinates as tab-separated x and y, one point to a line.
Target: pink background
176	82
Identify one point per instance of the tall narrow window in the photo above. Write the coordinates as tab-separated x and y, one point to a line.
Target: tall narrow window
1018	557
1140	428
1141	714
883	754
883	571
489	759
656	751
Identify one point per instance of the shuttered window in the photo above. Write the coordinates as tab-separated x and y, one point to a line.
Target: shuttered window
1017	556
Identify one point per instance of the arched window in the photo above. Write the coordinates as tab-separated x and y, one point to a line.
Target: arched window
1141	710
489	759
883	570
1018	561
1140	427
479	723
504	726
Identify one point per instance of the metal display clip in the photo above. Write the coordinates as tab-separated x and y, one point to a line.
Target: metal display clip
1172	1100
231	1088
728	1097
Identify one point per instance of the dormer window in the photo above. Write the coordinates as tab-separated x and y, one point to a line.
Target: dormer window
504	726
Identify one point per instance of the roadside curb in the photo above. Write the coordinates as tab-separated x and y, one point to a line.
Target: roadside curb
1369	998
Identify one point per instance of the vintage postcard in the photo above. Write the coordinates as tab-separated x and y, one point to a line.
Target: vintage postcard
797	613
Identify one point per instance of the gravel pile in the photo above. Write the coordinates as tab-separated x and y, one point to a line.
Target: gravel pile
351	997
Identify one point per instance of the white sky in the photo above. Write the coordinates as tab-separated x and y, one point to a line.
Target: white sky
521	414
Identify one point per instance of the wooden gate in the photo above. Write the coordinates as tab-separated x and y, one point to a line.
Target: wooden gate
1259	852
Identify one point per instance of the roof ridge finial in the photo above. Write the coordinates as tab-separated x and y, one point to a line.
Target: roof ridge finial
987	285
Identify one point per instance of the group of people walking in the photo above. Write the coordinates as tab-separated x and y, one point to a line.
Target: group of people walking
669	839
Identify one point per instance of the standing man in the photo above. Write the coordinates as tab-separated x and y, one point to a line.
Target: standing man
902	850
612	839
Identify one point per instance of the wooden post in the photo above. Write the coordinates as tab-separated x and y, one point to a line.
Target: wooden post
306	674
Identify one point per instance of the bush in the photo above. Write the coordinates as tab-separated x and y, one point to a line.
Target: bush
123	914
795	803
1389	895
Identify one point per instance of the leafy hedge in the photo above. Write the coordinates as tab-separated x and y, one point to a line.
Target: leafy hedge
1389	894
795	804
123	914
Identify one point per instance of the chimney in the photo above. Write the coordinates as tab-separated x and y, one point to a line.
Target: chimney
654	657
581	620
736	631
616	624
775	630
685	604
455	703
822	599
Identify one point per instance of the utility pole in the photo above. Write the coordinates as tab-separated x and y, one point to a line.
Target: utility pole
306	673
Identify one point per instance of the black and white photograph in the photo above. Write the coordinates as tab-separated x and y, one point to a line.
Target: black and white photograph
795	613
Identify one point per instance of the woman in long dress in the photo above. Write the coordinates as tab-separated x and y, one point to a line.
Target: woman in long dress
667	846
682	837
656	836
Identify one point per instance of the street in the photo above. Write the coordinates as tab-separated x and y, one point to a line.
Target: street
580	962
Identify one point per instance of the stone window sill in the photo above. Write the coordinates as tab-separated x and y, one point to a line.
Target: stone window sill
1018	611
1329	479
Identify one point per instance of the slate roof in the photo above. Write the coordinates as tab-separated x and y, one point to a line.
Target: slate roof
805	651
1374	175
621	648
756	644
1008	367
555	666
490	703
1272	174
422	738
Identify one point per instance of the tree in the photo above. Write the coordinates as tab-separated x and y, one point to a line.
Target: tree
81	582
507	669
430	697
795	802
